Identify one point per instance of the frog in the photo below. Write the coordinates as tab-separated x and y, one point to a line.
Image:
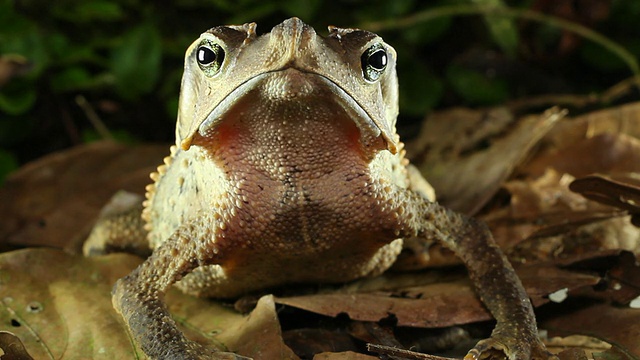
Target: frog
287	168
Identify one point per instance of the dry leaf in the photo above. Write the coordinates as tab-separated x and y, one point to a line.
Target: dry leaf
54	201
466	154
441	305
12	347
447	303
621	192
603	153
59	306
259	335
617	326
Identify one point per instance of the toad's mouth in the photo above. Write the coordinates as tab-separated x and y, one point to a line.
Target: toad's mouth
362	119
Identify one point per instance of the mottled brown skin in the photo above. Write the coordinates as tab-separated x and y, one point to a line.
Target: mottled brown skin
287	168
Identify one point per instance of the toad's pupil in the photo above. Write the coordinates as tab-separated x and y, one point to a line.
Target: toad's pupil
378	60
206	55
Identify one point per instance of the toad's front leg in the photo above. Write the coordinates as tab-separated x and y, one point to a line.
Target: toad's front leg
515	335
138	297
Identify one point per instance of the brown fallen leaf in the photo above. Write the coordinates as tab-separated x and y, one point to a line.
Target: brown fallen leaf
623	119
620	192
620	275
545	220
48	298
602	153
258	336
448	303
12	347
54	201
59	306
442	305
467	154
617	326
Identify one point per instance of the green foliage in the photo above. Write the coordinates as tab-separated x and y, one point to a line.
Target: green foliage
85	12
125	57
503	29
136	61
17	98
476	88
8	163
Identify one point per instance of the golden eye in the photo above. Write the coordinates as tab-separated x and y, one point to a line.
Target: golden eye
374	61
210	57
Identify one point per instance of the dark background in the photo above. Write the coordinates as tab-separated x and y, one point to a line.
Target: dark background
77	71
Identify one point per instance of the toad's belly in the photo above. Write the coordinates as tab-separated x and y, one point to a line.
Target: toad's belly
213	281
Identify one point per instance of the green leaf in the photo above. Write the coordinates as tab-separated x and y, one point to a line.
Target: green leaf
503	29
136	62
17	97
88	11
71	79
601	59
428	31
29	44
8	163
475	87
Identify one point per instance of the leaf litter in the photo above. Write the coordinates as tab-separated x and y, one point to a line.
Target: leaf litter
57	304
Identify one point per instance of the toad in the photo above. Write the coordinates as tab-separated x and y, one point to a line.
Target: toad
287	168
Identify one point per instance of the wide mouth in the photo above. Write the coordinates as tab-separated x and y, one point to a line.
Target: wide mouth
352	108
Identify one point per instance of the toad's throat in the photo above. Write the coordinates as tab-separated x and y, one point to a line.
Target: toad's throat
294	86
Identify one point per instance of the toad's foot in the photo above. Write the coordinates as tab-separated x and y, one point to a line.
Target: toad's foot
509	347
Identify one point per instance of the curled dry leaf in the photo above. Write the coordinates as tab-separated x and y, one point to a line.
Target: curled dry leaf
603	153
257	336
605	141
545	220
12	348
622	192
467	154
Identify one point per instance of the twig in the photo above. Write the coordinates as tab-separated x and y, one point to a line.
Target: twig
403	354
608	96
94	119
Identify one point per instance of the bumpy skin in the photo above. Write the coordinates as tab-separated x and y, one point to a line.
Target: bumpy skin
287	168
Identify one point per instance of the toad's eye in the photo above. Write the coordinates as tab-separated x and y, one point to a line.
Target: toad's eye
210	57
374	61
